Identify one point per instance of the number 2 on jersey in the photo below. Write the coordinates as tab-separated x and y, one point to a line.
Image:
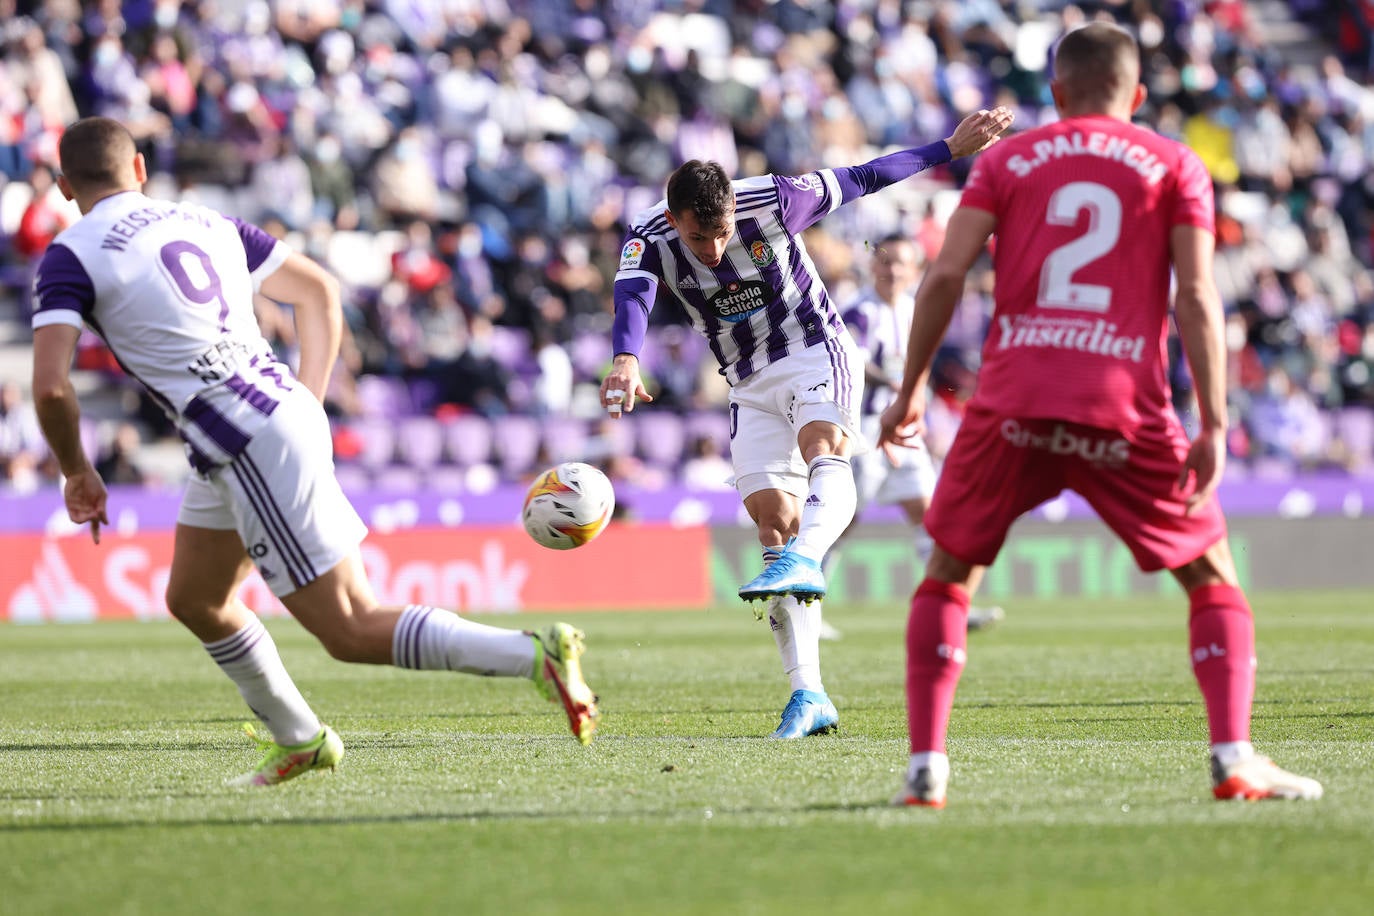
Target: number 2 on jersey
201	293
1057	289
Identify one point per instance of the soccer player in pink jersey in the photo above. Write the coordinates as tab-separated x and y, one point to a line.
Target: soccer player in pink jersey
1091	213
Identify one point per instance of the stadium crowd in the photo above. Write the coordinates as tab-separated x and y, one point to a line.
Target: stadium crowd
466	167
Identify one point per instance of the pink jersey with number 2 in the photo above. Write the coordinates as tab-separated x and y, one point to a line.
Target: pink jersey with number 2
1084	211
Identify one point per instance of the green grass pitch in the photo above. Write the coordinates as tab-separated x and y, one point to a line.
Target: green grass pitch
1078	745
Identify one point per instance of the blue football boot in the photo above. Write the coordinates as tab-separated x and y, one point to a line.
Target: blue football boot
807	713
789	574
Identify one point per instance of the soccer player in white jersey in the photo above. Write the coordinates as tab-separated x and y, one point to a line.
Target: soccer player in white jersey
879	317
169	287
732	254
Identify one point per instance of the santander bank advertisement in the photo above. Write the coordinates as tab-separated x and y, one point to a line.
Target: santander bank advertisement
53	572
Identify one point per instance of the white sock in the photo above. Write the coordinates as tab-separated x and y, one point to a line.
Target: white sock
925	546
936	762
829	506
1233	752
433	639
797	631
251	660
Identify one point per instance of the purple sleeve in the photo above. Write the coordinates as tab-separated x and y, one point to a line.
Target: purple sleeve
634	297
858	180
61	285
806	199
257	245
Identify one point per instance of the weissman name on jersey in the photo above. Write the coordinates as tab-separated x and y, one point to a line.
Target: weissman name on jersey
169	287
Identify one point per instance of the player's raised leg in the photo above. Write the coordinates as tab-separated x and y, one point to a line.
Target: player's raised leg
208	568
826	512
1221	644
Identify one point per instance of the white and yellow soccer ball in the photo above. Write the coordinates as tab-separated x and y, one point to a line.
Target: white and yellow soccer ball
568	505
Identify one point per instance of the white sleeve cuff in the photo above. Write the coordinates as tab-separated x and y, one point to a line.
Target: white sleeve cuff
57	316
832	185
280	252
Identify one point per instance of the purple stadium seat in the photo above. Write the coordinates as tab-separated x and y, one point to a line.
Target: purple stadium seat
590	353
383	396
424	394
515	441
90	437
353	478
398	479
662	438
420	442
1269	467
469	440
1356	426
618	436
511	348
564	438
378	440
446	479
714	424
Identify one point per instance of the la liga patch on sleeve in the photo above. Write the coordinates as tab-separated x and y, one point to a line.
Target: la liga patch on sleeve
632	254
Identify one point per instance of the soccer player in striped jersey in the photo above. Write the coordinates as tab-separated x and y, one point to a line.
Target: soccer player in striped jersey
169	287
732	254
879	317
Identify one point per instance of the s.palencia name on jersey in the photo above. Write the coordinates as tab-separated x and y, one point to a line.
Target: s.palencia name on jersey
1080	334
1104	146
737	300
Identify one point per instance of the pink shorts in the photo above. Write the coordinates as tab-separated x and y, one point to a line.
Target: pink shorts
1000	468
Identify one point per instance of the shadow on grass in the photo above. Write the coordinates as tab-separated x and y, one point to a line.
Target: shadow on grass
454	817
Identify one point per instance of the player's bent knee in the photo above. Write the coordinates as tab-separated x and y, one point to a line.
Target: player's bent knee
945	568
821	437
1215	567
190	607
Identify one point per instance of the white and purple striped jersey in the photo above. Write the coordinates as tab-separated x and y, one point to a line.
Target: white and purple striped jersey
765	299
881	331
169	287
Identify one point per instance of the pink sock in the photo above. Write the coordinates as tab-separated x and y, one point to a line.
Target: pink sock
936	636
1221	642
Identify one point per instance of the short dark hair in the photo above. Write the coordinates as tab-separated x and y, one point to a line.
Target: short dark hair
94	153
1099	62
703	188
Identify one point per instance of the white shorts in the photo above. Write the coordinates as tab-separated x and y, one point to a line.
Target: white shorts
281	496
769	408
877	481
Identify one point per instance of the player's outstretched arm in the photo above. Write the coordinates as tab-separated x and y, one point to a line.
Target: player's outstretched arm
936	300
1198	310
634	298
314	294
978	131
59	414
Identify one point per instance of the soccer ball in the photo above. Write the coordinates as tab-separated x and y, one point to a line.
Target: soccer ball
568	505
